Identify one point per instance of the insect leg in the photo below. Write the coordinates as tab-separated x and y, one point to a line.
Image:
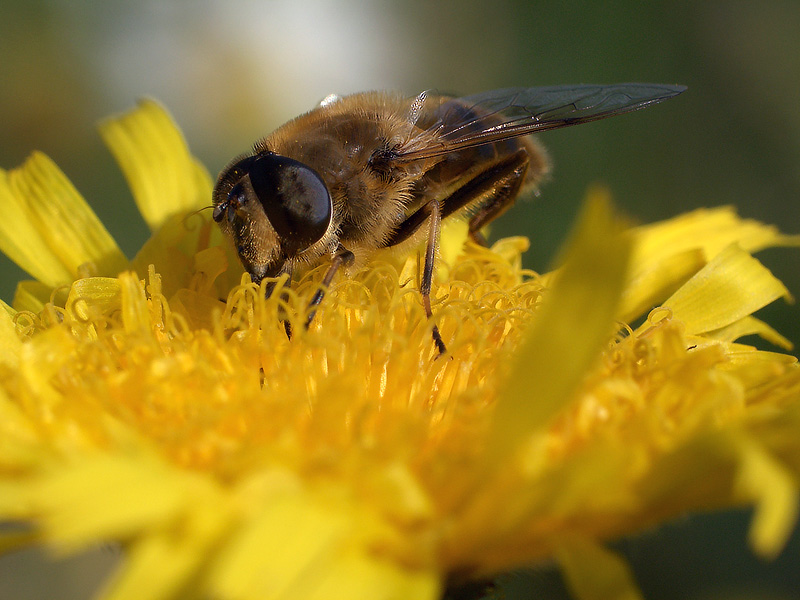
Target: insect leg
427	270
432	211
269	288
510	175
342	257
496	188
497	185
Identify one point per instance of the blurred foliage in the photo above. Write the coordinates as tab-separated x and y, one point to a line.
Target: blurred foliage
231	71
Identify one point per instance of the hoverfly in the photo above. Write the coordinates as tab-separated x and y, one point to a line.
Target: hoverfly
376	170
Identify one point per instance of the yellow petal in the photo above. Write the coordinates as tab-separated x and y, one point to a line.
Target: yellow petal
732	286
594	573
283	551
170	251
774	490
304	548
668	253
570	329
135	308
750	326
19	450
34	295
152	153
710	230
358	576
651	282
7	309
10	344
22	241
170	561
66	238
93	297
157	567
197	309
112	496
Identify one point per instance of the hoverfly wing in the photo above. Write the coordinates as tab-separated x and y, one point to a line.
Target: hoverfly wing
502	114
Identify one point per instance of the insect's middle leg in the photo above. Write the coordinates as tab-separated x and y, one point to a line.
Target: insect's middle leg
427	271
498	185
342	257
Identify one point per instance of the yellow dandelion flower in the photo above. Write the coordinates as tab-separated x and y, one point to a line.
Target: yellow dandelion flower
230	462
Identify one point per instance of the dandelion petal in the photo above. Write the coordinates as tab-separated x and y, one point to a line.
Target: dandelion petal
732	286
570	329
49	230
594	573
164	177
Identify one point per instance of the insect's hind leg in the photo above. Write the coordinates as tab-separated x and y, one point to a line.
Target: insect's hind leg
502	197
498	186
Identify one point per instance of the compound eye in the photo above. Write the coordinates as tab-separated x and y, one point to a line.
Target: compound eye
295	200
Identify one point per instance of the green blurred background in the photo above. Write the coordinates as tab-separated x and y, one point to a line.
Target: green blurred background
231	71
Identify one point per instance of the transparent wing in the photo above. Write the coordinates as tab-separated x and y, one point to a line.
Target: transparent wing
502	114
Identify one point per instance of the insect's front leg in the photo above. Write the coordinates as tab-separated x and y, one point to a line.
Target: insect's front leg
342	257
269	288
